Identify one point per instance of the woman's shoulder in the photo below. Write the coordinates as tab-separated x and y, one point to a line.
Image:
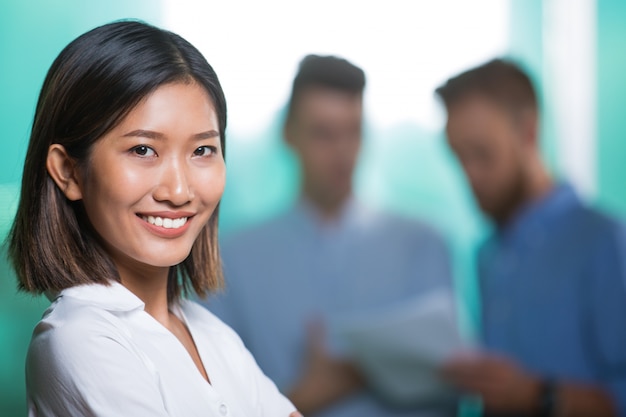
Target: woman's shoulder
84	353
73	321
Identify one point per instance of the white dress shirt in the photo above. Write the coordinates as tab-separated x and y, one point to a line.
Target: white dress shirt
96	352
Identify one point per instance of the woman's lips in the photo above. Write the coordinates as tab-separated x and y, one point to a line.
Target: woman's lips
166	222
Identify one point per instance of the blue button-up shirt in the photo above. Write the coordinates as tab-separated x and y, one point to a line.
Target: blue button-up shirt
554	295
297	269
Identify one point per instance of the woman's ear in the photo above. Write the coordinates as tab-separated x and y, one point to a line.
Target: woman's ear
62	168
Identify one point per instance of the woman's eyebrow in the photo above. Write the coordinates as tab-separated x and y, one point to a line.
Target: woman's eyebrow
150	134
207	135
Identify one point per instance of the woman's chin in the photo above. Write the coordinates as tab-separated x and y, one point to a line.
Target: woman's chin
166	261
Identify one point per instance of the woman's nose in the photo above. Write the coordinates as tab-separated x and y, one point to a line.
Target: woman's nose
173	183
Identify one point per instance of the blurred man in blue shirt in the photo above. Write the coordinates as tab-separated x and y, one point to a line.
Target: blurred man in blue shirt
553	274
329	256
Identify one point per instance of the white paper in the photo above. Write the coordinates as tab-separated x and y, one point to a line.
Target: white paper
400	350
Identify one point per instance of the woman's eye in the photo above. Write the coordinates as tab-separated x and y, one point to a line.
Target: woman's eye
143	150
204	151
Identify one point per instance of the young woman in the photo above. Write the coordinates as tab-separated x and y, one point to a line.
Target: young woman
117	222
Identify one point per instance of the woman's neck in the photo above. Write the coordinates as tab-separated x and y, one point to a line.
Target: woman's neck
150	285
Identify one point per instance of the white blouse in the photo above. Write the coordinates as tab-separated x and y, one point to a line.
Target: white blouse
96	352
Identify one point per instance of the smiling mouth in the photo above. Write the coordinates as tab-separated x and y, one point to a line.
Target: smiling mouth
165	222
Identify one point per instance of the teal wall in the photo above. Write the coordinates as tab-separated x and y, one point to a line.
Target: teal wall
32	33
526	46
526	43
611	99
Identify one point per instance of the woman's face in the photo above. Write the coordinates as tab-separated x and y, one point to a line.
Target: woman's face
155	179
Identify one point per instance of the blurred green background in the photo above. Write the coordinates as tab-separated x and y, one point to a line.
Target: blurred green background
411	171
32	33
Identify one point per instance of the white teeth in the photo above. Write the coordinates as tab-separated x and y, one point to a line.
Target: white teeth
166	222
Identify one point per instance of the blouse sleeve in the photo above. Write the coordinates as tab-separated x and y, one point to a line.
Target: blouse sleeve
77	371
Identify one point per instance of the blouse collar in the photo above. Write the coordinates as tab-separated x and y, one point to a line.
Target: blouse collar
113	297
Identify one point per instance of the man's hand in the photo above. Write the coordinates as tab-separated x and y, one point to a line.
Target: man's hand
507	388
503	385
324	380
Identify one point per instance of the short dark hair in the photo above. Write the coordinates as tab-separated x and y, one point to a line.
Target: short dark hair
91	86
325	71
501	80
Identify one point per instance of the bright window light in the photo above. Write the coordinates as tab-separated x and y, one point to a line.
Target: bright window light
406	48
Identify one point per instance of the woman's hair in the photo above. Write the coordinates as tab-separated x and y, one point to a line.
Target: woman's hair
92	85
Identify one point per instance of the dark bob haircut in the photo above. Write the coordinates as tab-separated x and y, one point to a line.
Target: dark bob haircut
500	80
92	85
326	71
